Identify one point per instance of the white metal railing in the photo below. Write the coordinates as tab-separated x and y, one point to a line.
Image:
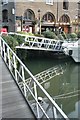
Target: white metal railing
33	42
47	109
40	42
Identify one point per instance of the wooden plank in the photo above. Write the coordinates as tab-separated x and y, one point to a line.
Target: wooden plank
13	103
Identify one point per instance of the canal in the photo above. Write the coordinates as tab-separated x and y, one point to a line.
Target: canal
64	88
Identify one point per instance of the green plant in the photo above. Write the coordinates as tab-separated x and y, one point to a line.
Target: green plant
19	39
78	34
22	54
26	33
31	34
22	32
39	35
60	37
49	34
73	35
11	41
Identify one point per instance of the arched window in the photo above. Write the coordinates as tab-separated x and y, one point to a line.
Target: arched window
65	4
48	17
5	15
29	15
65	19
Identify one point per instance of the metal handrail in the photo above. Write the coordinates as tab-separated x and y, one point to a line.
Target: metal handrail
12	61
39	42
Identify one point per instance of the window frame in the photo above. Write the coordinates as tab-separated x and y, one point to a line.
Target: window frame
65	4
49	2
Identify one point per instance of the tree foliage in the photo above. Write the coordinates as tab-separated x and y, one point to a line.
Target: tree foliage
11	42
49	34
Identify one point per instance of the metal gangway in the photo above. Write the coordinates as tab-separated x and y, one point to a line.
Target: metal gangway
40	43
14	63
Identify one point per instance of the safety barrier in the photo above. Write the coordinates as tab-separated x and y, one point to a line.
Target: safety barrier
40	43
42	109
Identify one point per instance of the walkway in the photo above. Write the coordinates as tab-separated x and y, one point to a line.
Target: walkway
13	103
39	43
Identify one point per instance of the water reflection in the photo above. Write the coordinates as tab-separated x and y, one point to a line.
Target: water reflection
64	87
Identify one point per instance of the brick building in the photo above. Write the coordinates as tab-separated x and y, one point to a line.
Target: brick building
39	15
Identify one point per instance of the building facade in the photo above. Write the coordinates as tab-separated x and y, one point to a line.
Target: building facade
40	15
8	15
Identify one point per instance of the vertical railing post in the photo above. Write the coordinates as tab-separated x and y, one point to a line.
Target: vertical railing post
9	58
1	45
35	92
4	51
0	42
15	67
23	76
55	113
